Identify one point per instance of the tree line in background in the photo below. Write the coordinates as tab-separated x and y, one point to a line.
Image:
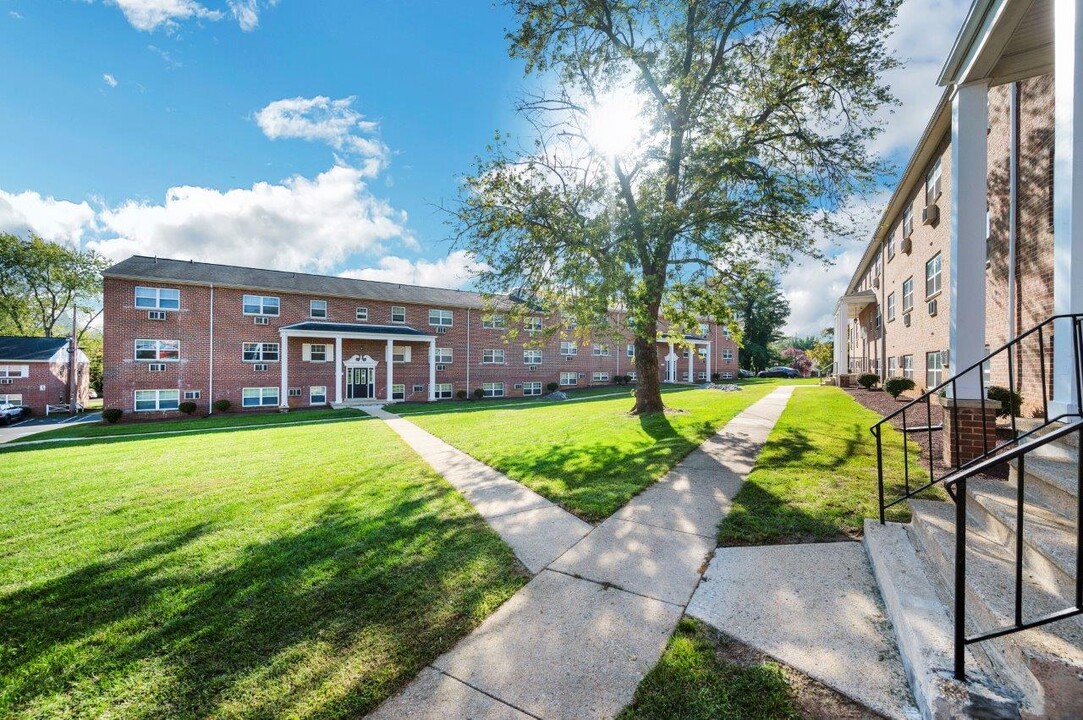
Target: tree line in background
41	283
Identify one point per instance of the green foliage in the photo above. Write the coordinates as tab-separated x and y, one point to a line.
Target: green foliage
822	355
187	407
479	393
1010	401
552	387
91	343
461	394
221	405
761	310
868	380
896	386
112	415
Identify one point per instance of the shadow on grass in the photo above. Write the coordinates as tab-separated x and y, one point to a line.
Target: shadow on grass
327	620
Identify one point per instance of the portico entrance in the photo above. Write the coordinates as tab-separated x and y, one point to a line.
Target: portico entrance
360	383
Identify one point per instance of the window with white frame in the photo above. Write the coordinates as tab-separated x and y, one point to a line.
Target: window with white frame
444	356
152	298
932	276
569	378
987	368
492	389
631	375
157	350
890	306
400	354
600	377
908	221
532	357
569	349
908	367
192	394
492	356
11	398
727	376
441	318
317	352
532	324
258	352
727	355
442	391
493	322
156	400
934	368
317	309
704	329
398	314
14	371
725	331
260	305
908	295
630	351
532	388
259	397
398	392
361	313
932	183
317	395
891	244
701	375
892	366
600	351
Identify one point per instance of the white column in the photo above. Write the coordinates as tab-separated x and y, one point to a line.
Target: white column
969	124
1067	197
840	340
432	370
710	367
284	366
671	365
339	368
691	355
390	367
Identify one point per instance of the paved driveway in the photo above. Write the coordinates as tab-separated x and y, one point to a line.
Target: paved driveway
41	424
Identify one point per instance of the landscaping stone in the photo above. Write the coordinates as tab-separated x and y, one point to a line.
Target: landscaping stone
556	395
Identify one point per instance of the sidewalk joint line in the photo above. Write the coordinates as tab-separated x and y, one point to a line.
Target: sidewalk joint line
486	694
663	527
614	586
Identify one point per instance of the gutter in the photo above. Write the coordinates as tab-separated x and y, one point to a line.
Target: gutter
1013	207
210	361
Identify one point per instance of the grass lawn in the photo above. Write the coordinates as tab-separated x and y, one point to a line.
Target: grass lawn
280	571
590	456
816	477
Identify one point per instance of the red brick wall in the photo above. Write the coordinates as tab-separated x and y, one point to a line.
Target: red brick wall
46	384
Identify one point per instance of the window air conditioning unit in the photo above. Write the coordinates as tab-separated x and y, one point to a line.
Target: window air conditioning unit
260	367
441	367
931	307
441	330
6	381
156	367
533	367
260	321
568	358
907	245
876	282
518	386
419	388
930	215
906	319
582	375
293	392
155	315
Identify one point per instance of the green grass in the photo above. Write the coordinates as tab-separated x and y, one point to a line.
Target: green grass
303	571
816	477
589	456
182	423
691	682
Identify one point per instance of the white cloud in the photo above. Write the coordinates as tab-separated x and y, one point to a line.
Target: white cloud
300	223
15	15
150	15
246	12
321	119
109	80
166	57
57	220
455	271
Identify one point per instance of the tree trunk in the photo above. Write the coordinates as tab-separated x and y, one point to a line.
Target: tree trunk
648	388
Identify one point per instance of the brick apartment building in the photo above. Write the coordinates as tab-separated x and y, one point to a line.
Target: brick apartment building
177	330
34	372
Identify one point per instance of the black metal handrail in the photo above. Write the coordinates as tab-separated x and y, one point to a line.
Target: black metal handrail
1041	332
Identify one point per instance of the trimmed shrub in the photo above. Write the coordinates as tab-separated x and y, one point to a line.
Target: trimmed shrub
478	393
621	379
715	377
221	405
552	387
896	386
868	380
461	394
187	407
1010	402
112	415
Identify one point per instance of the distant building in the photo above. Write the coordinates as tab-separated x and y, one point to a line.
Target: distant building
34	372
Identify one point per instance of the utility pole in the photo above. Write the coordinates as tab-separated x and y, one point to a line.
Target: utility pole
73	351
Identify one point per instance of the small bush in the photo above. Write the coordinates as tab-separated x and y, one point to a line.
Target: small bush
552	387
221	405
187	407
715	377
621	379
478	393
1010	401
461	394
868	380
896	386
112	415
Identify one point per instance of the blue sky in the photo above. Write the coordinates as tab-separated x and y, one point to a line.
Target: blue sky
297	134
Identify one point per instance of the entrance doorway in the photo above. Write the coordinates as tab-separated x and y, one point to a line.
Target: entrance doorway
360	382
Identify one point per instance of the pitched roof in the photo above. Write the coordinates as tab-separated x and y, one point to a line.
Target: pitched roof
141	267
333	327
18	347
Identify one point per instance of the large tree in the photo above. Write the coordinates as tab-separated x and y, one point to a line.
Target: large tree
673	137
41	282
761	309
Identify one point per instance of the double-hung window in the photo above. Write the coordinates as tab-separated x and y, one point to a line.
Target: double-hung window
398	392
258	352
533	324
532	357
493	322
569	349
569	378
932	276
316	352
260	305
908	221
442	391
152	298
400	354
892	366
492	356
599	377
259	397
891	245
727	355
11	398
532	388
398	314
317	395
908	295
492	389
317	309
890	306
157	350
14	371
444	356
934	368
441	318
156	400
600	351
630	350
361	313
932	183
908	367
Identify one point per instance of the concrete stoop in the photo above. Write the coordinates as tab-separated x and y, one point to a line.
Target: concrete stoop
1030	674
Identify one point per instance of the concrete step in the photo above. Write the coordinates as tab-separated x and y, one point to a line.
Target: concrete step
1044	663
1051	477
1049	537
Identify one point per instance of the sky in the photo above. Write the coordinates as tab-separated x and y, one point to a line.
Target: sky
318	136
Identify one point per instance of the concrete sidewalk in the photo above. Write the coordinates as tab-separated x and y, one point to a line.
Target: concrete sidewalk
578	638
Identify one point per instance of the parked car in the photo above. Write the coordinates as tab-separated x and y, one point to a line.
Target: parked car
745	373
13	413
778	372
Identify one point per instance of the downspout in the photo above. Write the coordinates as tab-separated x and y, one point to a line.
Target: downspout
468	352
882	310
210	361
1013	206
